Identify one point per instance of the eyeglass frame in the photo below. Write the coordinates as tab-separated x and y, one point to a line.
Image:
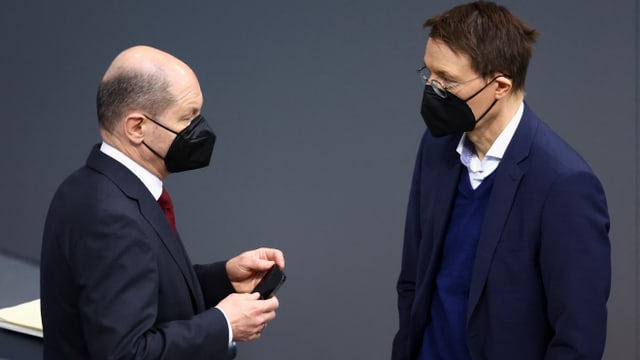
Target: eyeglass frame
438	87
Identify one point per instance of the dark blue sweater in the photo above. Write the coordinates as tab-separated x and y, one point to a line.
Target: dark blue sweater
445	337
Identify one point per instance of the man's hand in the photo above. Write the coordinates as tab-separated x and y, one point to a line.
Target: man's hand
248	315
246	270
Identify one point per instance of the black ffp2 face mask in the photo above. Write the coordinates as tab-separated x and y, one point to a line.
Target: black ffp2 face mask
192	147
449	115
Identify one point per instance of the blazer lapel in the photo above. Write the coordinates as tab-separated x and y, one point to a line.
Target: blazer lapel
152	212
443	192
439	184
135	189
508	177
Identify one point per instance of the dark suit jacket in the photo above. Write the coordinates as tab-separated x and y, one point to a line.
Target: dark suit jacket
541	275
116	282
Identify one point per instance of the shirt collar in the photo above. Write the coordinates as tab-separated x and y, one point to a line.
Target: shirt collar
499	146
150	181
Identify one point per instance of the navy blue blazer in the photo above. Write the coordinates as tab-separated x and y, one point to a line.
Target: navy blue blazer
116	282
542	270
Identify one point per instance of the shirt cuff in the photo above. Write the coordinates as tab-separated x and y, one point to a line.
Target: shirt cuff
230	343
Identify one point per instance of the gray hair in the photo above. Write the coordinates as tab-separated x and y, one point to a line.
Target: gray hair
129	91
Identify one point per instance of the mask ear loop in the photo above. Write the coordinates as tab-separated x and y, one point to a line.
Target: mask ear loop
153	151
482	88
162	126
489	109
479	91
166	128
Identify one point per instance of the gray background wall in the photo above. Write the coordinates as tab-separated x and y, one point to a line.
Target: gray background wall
315	104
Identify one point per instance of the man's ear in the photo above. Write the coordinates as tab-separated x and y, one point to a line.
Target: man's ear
133	127
505	85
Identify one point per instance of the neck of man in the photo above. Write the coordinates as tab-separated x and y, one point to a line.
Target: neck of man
490	127
133	153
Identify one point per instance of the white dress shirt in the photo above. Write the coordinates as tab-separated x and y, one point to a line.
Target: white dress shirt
479	169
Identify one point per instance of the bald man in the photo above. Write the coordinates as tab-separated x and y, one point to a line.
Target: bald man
116	281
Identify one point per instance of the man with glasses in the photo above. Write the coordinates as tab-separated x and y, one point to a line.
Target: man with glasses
506	251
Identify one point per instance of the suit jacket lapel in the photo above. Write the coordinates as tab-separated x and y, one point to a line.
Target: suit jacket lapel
508	177
446	183
135	189
152	212
440	180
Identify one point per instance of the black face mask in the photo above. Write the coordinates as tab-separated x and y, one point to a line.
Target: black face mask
192	147
449	115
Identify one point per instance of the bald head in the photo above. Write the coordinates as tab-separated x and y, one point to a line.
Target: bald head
142	79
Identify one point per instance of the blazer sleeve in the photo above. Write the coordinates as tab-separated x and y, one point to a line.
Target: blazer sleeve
117	278
214	282
576	266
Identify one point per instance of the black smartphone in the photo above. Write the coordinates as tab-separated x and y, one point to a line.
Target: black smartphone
271	282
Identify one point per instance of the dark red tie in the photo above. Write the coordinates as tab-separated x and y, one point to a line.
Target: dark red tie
167	208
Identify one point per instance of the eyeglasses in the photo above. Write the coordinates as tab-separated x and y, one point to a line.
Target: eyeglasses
440	87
